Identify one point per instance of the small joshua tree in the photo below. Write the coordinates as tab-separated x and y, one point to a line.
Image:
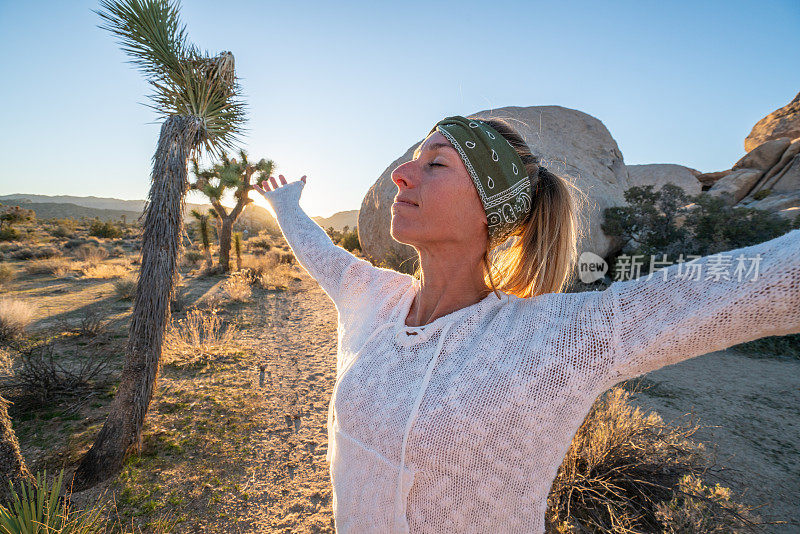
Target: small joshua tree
214	182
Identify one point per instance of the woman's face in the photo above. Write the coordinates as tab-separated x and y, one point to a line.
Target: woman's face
448	208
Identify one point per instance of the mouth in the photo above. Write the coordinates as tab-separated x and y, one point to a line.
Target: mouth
405	203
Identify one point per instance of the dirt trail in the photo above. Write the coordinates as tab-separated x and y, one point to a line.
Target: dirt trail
293	334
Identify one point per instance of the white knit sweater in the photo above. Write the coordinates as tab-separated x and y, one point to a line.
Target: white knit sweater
460	425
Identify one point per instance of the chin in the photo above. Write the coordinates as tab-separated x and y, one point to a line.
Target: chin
397	233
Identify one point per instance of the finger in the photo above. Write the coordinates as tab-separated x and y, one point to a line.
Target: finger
264	185
303	178
274	183
283	180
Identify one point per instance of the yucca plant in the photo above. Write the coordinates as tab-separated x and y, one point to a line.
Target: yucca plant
197	96
37	508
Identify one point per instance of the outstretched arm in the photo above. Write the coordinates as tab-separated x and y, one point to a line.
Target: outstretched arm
712	303
344	277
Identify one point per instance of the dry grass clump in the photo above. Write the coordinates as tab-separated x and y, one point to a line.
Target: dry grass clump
58	267
625	472
269	271
125	288
237	286
103	270
6	274
15	316
198	336
91	253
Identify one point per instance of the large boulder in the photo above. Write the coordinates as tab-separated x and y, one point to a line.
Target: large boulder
783	122
764	155
567	141
658	174
735	186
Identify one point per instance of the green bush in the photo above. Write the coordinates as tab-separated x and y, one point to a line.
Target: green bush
671	222
761	195
9	233
104	229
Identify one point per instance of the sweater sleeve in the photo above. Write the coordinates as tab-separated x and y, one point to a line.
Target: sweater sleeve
706	305
345	278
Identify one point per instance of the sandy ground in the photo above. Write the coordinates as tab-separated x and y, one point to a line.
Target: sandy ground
749	411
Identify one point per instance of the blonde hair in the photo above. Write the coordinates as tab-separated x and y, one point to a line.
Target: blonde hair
542	258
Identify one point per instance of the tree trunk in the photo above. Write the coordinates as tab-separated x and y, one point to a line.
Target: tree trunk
161	242
12	464
226	228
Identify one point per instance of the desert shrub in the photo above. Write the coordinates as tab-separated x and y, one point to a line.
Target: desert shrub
39	508
91	253
38	253
193	257
104	229
6	274
62	231
92	323
55	266
47	370
268	272
400	263
9	233
125	288
237	286
116	252
349	240
761	195
15	317
621	466
694	507
201	334
75	243
262	242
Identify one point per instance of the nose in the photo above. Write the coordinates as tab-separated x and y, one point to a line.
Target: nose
403	174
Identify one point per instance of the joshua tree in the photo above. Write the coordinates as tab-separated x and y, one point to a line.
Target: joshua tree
230	174
202	223
197	96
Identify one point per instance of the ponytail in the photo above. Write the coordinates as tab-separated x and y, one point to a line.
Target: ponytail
543	256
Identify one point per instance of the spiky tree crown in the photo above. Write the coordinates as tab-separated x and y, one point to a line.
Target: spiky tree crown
186	81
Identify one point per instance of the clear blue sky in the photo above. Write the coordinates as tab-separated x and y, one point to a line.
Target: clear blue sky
339	90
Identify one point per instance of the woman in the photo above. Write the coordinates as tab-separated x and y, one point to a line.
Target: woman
455	400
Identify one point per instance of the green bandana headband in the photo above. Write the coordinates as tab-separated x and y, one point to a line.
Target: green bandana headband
496	170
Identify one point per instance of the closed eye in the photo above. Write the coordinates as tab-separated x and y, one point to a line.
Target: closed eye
432	164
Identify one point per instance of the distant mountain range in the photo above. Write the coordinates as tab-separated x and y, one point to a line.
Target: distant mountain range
112	209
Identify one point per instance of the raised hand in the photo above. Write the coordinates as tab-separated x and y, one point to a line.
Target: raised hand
265	185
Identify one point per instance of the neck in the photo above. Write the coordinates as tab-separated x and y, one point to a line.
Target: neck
449	282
